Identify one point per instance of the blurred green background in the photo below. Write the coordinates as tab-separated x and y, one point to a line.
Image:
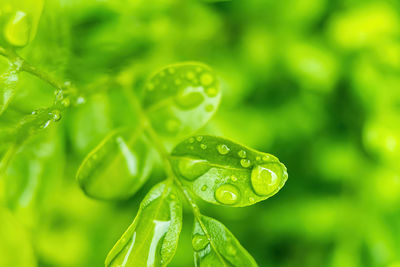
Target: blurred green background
314	82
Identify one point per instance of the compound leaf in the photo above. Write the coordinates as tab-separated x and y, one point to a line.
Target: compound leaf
181	98
223	172
152	238
117	167
215	245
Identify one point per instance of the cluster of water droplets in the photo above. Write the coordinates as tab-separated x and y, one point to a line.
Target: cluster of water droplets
267	174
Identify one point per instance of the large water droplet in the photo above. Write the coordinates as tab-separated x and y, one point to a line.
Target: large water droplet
203	146
227	194
199	242
223	149
266	178
245	163
191	169
189	100
56	115
206	79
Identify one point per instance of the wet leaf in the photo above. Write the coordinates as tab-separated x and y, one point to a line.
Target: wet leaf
181	98
21	19
152	238
8	83
215	245
223	172
117	167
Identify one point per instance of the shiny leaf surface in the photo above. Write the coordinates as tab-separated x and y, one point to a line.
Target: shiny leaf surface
215	245
181	98
117	167
152	238
223	172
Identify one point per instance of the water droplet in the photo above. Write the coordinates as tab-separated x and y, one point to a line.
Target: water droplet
65	102
251	199
189	100
265	158
206	79
223	149
266	178
204	188
191	169
209	108
242	154
46	124
190	75
211	92
56	115
245	163
227	194
199	242
80	100
172	125
191	140
203	146
234	178
199	138
258	158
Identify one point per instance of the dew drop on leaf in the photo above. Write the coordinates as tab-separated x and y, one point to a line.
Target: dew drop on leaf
204	188
211	92
223	149
199	242
206	79
189	100
56	115
203	146
245	163
199	138
227	194
266	178
191	169
242	154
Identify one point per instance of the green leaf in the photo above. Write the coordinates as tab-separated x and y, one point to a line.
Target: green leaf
215	245
223	172
21	19
8	83
117	167
181	98
152	238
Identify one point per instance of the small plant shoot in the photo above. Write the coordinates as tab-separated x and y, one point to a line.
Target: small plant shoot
164	113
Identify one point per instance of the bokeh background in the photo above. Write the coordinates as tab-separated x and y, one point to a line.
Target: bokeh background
314	82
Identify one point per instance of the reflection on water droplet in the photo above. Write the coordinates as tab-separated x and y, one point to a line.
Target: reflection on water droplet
66	102
223	149
266	178
56	115
227	194
209	108
203	146
245	163
204	188
265	158
191	140
242	154
234	178
206	79
251	199
189	100
211	92
199	242
199	138
191	169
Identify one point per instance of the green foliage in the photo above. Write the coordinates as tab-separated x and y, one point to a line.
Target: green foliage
215	245
223	172
152	238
